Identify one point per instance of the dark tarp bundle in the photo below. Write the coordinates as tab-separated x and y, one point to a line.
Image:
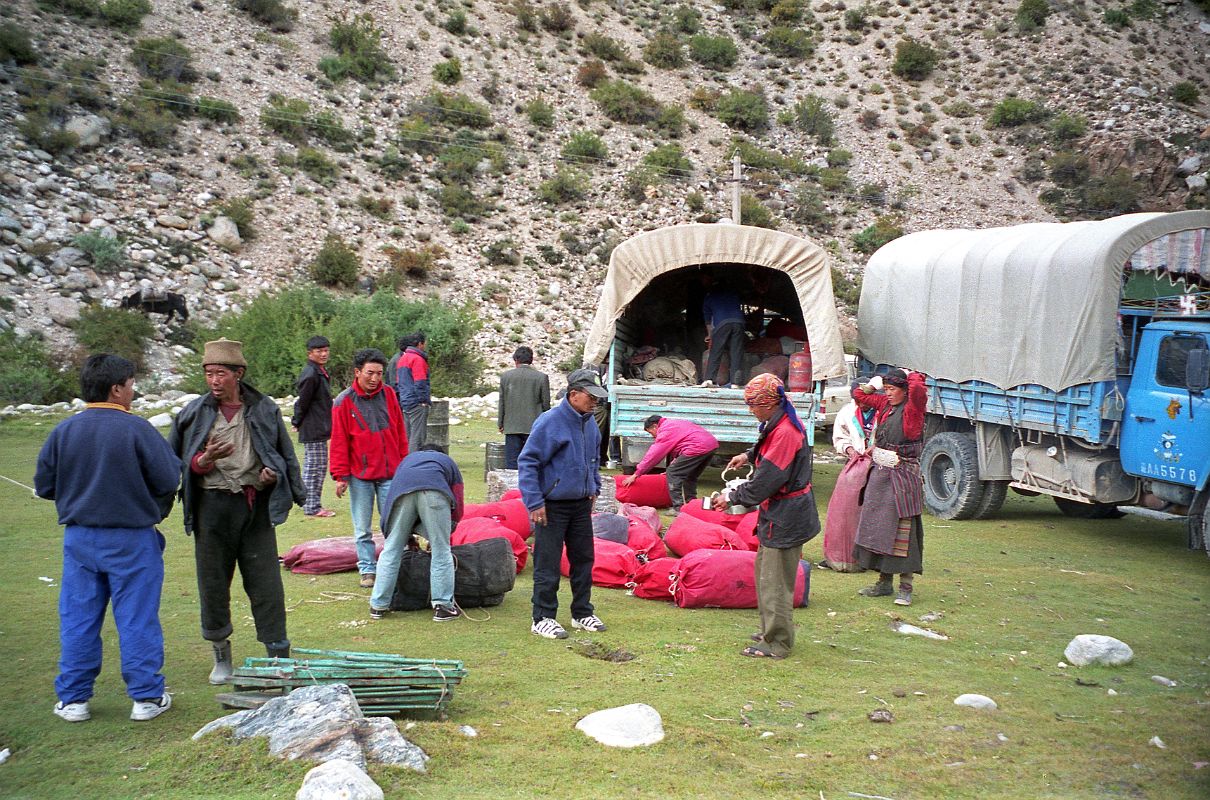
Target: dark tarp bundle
483	573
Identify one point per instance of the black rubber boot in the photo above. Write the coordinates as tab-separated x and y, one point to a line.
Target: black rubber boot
222	662
278	649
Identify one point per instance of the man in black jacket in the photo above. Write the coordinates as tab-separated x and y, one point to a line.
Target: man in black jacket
240	479
313	423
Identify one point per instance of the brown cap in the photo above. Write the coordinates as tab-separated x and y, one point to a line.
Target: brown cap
224	351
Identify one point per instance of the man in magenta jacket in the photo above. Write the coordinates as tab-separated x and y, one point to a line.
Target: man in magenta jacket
690	446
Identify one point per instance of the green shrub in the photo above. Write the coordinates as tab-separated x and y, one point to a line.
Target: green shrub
1143	9
670	121
336	264
459	202
30	373
605	47
913	60
792	43
742	110
502	252
713	52
1068	169
124	15
846	289
685	19
163	59
448	72
412	263
359	54
216	110
147	121
288	117
640	183
753	212
857	19
809	210
170	96
621	101
317	166
591	73
811	116
665	51
453	110
1185	92
240	211
1031	15
1065	127
541	114
1110	195
1014	111
46	135
566	186
839	157
786	11
460	158
455	23
121	331
557	17
274	329
1116	18
378	207
108	254
417	136
16	46
585	146
756	157
273	13
883	230
960	109
670	161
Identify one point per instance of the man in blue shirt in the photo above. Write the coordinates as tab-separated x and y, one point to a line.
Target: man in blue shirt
558	474
724	331
112	477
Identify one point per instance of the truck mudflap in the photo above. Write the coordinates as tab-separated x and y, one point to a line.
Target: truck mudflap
1083	476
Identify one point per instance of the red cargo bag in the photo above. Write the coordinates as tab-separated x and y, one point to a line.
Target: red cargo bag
509	513
644	541
614	565
648	490
745	530
694	509
645	513
512	494
654	579
325	556
477	529
727	579
687	534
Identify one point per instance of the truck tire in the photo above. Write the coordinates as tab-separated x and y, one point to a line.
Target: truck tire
1199	523
1077	510
950	467
994	493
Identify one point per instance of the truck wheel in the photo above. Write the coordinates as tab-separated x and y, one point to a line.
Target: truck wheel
1077	510
1199	523
950	466
994	493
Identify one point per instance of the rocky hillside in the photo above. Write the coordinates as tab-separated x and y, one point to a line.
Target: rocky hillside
493	153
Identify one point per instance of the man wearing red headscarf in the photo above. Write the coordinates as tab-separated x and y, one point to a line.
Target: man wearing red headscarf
781	486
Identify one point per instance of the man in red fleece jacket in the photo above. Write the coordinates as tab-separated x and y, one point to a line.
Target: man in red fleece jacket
689	445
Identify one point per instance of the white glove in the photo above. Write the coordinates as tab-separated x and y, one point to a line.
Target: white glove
876	383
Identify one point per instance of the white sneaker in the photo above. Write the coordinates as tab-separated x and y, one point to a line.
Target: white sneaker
144	710
73	712
548	628
590	623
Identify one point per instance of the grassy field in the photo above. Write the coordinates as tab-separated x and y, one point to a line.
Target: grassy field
1012	592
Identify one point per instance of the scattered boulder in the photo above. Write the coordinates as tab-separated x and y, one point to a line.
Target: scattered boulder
1190	165
225	233
1093	648
635	725
163	183
1195	183
339	779
161	420
1162	681
89	129
67	259
172	221
63	310
981	702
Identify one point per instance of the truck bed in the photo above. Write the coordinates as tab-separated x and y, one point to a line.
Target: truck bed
720	411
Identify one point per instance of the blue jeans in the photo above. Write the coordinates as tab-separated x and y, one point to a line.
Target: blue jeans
361	508
513	444
432	510
124	566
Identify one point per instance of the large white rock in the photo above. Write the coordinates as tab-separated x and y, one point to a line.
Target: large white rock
161	420
1094	648
976	701
89	129
225	233
63	310
635	725
338	779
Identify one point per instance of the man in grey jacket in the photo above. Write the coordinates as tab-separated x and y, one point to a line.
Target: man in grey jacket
524	394
240	478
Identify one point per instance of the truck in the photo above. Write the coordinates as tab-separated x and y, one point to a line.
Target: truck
1062	359
652	298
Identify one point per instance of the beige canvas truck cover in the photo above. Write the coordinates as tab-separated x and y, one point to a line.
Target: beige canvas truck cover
1026	304
641	258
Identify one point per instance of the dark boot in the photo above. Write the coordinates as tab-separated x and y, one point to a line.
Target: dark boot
881	589
222	662
278	649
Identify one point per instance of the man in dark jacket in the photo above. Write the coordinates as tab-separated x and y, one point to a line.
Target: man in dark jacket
781	486
240	480
412	384
524	394
368	442
425	496
313	422
559	476
112	477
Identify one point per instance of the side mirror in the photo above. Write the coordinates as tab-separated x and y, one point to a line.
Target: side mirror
1197	370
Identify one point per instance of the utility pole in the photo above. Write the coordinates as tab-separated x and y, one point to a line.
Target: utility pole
736	171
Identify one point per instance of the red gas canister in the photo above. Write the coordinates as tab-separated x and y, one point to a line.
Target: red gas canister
800	370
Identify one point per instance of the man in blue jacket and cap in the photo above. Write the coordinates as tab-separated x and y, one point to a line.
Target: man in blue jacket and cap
559	475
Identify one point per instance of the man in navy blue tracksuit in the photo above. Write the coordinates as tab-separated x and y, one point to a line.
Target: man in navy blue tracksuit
559	477
112	477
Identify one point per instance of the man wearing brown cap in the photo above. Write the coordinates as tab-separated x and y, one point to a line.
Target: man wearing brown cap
240	479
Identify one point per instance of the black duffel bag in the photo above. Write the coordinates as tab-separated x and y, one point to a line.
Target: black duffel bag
483	572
